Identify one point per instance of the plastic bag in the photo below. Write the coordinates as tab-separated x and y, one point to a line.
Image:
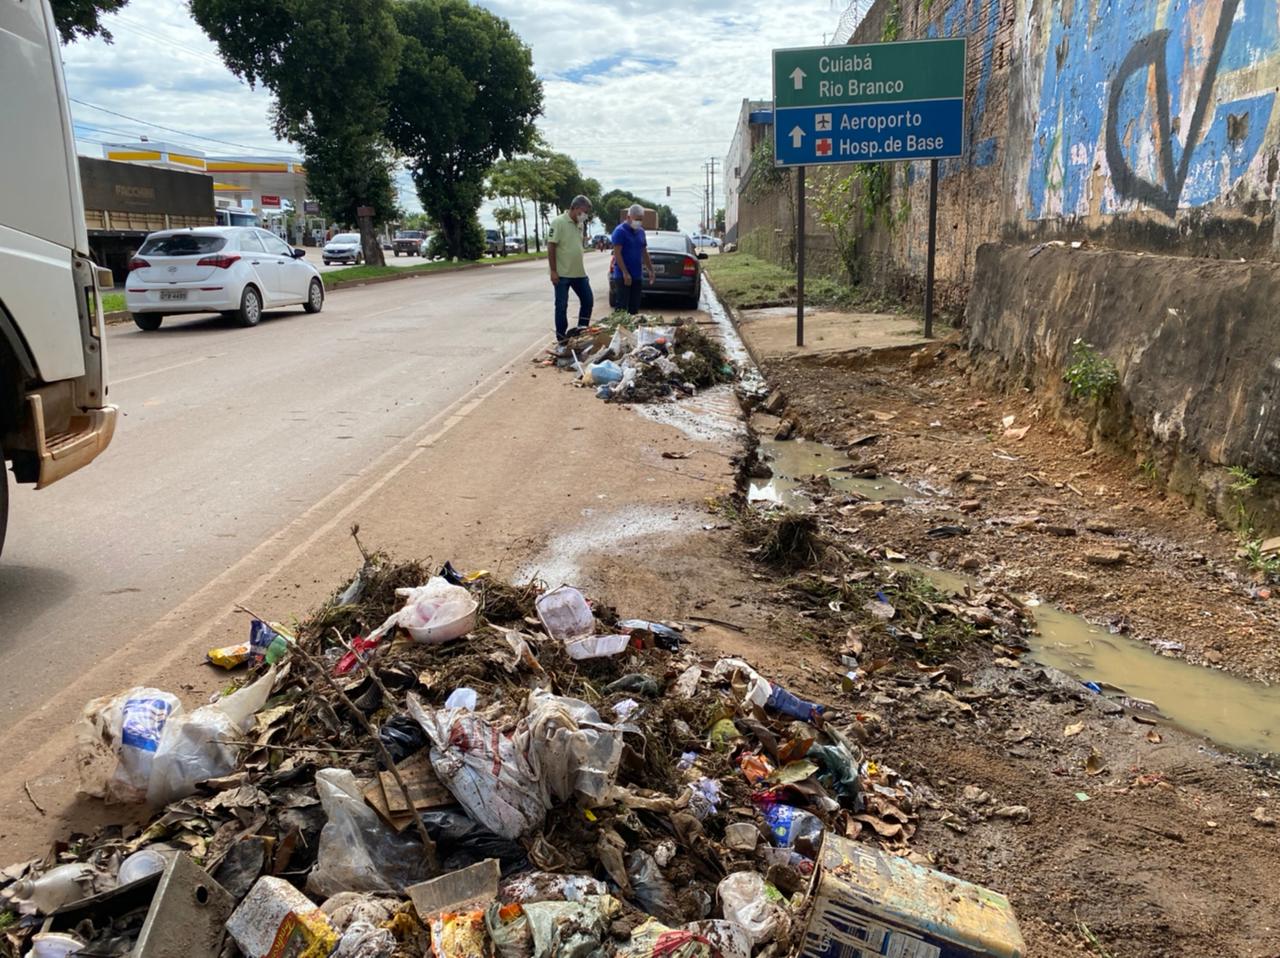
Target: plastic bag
460	842
550	886
200	745
596	646
357	851
570	749
652	892
603	372
748	900
484	769
568	929
729	938
653	939
459	935
508	928
437	612
363	940
118	740
402	736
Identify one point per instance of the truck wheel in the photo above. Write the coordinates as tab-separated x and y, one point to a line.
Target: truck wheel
4	499
148	321
315	297
397	252
250	312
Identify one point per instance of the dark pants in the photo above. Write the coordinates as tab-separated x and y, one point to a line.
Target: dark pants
582	287
629	296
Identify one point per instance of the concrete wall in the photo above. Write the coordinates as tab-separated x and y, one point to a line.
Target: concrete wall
1193	341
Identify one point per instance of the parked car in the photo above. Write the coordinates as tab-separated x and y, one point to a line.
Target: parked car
235	270
514	244
601	241
677	269
408	242
493	244
343	248
702	239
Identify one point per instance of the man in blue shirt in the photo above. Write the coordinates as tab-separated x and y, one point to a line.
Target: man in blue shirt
631	261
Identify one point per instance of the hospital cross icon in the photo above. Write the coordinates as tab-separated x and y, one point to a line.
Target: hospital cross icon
822	122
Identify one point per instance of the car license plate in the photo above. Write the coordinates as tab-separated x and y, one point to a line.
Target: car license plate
171	294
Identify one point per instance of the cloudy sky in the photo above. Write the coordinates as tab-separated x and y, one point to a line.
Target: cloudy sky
640	92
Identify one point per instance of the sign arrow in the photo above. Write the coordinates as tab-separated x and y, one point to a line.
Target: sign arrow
798	75
797	137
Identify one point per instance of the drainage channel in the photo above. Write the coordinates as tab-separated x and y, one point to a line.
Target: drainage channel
796	460
1231	711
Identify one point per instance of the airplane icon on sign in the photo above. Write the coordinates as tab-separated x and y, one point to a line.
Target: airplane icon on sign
822	122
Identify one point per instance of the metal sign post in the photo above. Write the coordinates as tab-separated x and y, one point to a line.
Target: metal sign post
868	103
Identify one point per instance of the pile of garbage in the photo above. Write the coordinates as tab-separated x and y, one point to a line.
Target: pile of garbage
644	359
452	765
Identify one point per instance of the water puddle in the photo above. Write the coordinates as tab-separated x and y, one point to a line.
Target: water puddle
1231	711
797	460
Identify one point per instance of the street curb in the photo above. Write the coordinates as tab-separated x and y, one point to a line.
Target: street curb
124	316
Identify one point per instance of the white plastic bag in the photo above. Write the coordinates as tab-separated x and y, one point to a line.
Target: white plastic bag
118	740
745	900
437	612
484	769
596	646
200	746
357	851
571	750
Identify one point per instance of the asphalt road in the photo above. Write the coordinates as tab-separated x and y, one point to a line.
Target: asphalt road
228	434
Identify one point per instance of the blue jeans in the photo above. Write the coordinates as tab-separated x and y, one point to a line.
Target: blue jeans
582	287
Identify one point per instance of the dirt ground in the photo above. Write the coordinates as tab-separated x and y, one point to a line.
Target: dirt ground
1122	838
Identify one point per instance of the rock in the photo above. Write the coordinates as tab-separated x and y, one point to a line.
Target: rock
1015	813
1101	527
1105	557
1214	657
970	505
978	479
786	429
1271	545
760	470
1007	663
1063	531
1262	818
970	563
923	359
775	403
874	510
976	795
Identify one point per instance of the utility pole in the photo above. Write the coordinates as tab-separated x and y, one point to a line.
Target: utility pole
706	195
714	219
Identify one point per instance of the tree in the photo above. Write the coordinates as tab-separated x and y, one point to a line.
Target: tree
614	204
82	19
720	220
330	67
465	95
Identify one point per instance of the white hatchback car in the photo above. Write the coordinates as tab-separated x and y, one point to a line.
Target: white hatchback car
235	270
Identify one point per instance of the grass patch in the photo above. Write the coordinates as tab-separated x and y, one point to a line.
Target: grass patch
113	302
361	274
748	282
787	541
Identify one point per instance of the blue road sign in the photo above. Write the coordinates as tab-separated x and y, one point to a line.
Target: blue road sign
869	132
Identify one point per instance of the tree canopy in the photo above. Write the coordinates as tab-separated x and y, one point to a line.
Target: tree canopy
465	95
330	66
82	19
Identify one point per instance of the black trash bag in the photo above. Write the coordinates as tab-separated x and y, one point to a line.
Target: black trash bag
653	893
452	575
460	842
402	736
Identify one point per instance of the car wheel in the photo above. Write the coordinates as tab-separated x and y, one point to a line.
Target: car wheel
359	258
148	321
397	252
250	312
315	297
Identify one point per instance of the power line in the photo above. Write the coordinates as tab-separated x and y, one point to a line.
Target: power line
169	129
146	32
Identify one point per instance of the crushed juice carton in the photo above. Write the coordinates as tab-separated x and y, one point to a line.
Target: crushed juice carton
275	920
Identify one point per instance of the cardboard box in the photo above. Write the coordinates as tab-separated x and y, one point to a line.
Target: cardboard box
866	903
650	221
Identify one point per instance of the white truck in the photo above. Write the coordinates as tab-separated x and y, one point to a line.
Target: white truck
54	415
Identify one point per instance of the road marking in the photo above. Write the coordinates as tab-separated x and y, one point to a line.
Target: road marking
164	369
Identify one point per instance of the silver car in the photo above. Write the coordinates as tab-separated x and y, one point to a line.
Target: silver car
343	248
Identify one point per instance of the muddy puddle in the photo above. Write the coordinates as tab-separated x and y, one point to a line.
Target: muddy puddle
1234	712
797	460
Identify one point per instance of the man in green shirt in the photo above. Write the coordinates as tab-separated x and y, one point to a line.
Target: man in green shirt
564	254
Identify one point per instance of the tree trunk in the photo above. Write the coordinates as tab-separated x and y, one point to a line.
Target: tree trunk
369	243
537	237
524	223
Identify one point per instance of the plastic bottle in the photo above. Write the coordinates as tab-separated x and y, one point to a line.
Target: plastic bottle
789	827
57	887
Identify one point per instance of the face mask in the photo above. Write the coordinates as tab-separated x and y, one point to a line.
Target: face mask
635	224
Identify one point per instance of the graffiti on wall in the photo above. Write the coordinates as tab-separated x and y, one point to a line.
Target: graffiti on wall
978	20
1160	104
